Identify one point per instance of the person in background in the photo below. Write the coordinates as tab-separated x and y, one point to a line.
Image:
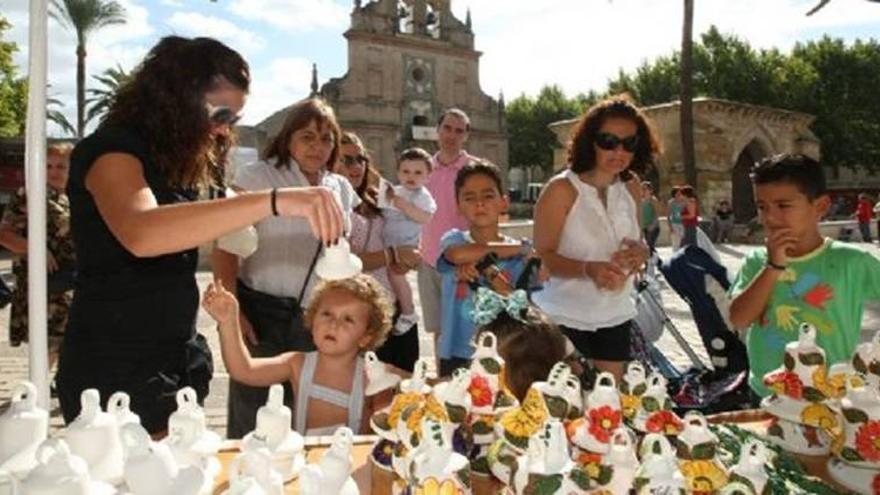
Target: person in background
877	214
59	252
674	207
690	215
723	221
864	214
650	211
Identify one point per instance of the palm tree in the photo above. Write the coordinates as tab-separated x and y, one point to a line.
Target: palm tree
686	116
55	115
823	3
100	99
85	17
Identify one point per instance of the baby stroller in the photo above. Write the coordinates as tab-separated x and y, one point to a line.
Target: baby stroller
702	282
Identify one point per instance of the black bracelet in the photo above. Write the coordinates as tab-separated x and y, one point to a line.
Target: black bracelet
774	266
274	200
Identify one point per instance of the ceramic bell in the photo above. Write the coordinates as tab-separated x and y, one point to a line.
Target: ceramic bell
150	468
22	427
332	473
59	472
655	413
253	469
434	462
615	471
696	450
859	480
860	410
337	262
242	242
94	436
602	417
803	369
454	395
632	386
866	360
548	459
487	366
517	425
119	406
188	437
659	473
750	470
273	432
558	392
798	438
378	376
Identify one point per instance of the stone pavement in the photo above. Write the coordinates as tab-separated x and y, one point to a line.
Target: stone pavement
14	364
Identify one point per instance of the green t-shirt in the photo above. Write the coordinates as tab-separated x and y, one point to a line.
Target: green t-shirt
825	288
649	215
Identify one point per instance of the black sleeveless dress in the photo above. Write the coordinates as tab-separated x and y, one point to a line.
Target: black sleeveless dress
132	324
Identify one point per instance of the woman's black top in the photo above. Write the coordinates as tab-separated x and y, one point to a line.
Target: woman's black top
132	325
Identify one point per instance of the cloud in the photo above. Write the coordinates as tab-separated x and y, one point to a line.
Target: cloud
276	85
301	15
196	24
172	3
580	45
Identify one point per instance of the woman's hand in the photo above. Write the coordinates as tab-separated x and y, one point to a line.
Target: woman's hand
631	256
318	205
220	303
408	257
605	275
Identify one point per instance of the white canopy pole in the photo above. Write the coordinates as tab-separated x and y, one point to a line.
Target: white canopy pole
35	183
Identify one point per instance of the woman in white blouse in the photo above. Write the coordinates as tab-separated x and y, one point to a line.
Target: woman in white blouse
593	249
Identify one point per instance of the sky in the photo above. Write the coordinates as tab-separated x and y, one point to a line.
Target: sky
526	44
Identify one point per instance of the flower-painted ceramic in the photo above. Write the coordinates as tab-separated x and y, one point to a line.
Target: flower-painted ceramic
866	360
659	472
802	375
798	438
750	471
518	424
860	409
188	436
332	473
602	417
696	441
632	386
94	436
434	461
615	471
60	472
560	389
273	432
150	468
455	397
378	376
23	426
655	413
487	366
860	480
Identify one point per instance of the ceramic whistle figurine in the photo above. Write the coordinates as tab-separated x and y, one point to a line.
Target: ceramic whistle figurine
615	471
696	448
633	385
548	463
189	438
332	474
378	377
150	468
94	436
655	413
562	392
434	463
658	473
274	433
750	471
603	415
23	426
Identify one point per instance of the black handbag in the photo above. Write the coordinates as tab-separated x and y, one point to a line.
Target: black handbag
61	280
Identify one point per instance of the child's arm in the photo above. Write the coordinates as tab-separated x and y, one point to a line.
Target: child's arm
747	306
410	209
262	372
471	252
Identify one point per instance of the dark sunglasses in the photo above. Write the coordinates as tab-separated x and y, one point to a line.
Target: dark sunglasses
349	160
222	115
610	142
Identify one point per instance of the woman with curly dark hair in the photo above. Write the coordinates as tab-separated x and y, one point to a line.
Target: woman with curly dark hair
137	225
594	248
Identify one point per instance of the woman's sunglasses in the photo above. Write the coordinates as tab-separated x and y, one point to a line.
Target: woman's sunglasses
349	160
222	115
610	142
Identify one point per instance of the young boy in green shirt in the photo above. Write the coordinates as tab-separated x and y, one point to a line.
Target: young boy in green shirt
800	276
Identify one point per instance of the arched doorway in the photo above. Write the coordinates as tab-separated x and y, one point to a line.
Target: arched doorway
743	195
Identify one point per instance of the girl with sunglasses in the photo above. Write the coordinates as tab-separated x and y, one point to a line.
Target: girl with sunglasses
137	223
593	248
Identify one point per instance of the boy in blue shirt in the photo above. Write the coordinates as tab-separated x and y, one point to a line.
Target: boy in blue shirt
800	276
480	200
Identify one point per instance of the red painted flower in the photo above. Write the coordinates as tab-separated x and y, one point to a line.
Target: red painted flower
819	295
875	485
603	421
786	383
868	441
481	393
664	422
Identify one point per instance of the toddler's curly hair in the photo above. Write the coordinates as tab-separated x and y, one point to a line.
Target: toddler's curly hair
365	288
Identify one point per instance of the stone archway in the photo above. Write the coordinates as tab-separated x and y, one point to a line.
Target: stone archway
743	195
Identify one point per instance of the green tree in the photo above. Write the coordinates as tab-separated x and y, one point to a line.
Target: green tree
101	98
13	89
531	142
85	17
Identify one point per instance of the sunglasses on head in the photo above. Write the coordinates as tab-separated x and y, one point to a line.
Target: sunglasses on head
222	115
349	160
610	142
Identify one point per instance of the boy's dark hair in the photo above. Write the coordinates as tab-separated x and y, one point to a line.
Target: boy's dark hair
530	348
415	154
478	167
673	191
688	191
798	170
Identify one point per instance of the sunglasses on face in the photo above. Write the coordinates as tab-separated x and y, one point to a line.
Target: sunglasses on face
222	115
610	142
349	160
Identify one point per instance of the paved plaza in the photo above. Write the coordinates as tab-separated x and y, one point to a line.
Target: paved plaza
14	364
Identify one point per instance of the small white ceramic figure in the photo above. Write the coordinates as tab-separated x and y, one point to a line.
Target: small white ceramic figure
59	472
22	427
337	262
150	468
332	473
274	433
94	436
251	472
378	376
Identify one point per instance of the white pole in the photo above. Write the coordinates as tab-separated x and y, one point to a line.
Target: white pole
35	183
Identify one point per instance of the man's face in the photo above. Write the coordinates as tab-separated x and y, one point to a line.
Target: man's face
452	133
782	205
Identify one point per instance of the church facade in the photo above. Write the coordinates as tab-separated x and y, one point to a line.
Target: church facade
408	60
